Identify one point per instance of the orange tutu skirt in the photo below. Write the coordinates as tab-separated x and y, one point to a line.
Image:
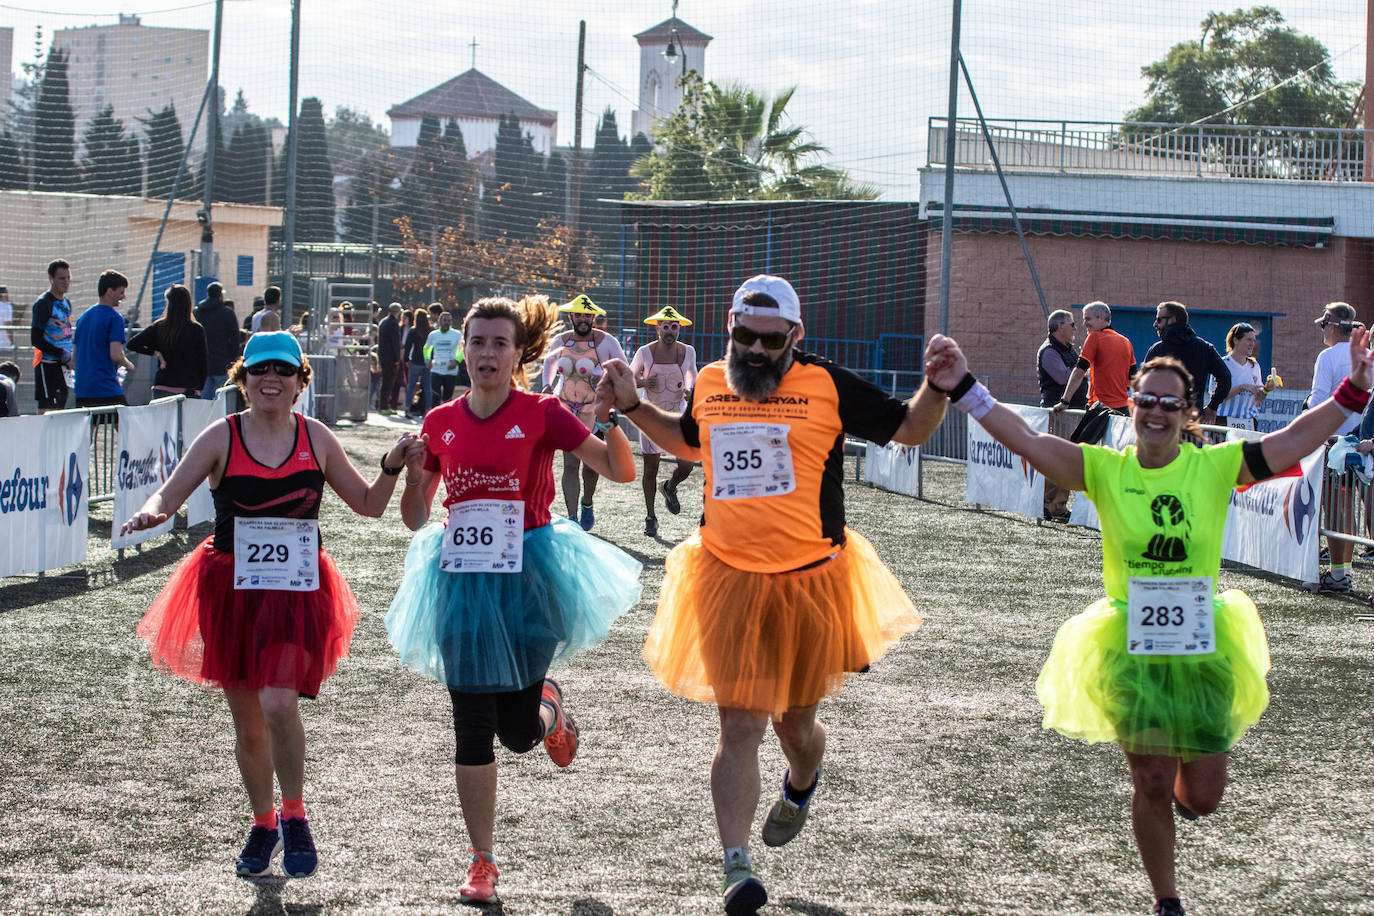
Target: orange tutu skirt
769	642
202	629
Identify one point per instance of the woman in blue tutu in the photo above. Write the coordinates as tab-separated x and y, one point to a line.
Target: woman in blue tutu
502	590
1163	666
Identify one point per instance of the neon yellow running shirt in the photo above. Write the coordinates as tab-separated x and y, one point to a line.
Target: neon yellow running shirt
1160	521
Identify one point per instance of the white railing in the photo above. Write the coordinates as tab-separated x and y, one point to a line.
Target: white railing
1212	150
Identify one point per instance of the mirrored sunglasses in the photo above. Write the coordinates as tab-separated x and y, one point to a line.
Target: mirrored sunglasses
1168	403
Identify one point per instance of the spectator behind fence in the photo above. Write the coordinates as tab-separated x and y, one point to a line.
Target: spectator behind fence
178	342
1054	364
222	340
51	336
1200	358
271	303
388	357
402	367
6	317
1248	388
1111	360
9	389
99	346
271	321
258	306
1333	364
444	348
414	350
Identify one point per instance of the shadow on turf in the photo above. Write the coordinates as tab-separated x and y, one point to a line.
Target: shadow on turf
268	900
809	908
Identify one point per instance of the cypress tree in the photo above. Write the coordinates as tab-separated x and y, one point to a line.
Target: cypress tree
54	131
314	177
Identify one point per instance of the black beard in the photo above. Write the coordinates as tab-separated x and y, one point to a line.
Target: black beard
582	328
755	382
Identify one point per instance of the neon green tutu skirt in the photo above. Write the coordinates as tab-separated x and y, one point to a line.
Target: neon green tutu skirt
1180	705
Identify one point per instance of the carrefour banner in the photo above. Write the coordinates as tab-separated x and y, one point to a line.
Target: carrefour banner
893	467
147	453
998	477
1274	525
1120	433
44	483
196	415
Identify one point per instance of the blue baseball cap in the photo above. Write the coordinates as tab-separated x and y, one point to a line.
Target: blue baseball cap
265	346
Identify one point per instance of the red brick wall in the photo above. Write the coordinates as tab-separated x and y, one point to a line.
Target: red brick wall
996	316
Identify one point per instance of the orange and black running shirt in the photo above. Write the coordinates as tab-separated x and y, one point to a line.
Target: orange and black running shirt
774	494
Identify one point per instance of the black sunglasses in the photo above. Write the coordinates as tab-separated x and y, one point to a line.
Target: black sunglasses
745	337
284	370
1168	403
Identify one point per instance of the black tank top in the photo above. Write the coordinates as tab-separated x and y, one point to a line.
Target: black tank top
250	489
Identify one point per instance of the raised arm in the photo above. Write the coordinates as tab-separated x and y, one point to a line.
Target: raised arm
611	459
663	427
924	413
947	368
360	496
1285	447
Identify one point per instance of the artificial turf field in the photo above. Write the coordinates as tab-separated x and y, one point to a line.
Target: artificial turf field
940	794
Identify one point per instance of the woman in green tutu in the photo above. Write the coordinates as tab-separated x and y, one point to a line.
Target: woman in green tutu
1163	666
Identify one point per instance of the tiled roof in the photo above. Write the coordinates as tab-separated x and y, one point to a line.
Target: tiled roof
471	95
665	28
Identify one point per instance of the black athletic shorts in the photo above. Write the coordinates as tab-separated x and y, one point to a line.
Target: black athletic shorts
50	386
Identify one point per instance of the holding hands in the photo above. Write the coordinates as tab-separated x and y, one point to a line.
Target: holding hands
617	386
946	364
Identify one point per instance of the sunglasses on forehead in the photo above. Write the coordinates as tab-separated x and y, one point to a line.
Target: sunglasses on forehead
745	337
1168	403
284	370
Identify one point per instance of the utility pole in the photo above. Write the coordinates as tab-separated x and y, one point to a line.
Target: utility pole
288	229
1368	79
376	204
205	217
575	211
947	207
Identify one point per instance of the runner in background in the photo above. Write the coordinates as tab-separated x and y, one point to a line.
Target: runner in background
665	370
1163	666
259	609
501	590
572	368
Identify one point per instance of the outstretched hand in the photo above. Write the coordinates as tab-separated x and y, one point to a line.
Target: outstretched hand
946	364
142	521
1361	359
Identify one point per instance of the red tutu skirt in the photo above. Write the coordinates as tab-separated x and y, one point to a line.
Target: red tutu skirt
202	629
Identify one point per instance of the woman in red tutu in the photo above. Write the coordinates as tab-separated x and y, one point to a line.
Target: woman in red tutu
258	609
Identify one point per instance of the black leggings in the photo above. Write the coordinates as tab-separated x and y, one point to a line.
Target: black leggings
512	716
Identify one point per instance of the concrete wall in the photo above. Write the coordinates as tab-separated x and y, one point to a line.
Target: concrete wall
996	317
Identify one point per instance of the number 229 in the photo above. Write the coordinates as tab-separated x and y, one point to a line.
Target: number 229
268	553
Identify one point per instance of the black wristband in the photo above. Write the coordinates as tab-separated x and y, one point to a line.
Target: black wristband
390	472
936	388
632	407
961	389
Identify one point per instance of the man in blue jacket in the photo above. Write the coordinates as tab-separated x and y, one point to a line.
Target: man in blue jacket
1177	339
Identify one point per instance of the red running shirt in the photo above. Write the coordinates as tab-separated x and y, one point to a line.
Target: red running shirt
250	489
508	455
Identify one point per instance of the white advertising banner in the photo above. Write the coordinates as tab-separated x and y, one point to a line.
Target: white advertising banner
1001	479
147	453
1280	408
1119	434
893	467
1275	524
196	415
44	484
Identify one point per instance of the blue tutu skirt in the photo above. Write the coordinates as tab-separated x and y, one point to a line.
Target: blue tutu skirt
489	632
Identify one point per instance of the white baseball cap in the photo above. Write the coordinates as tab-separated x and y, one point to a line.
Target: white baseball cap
777	289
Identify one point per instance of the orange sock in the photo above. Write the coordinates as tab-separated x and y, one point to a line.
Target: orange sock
268	820
292	808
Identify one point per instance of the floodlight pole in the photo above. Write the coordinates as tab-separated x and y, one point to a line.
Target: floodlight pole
947	206
288	228
575	211
212	142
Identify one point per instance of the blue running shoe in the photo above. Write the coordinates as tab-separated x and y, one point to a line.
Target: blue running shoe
587	518
300	859
256	858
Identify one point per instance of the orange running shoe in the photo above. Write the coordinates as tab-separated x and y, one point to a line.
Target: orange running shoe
480	887
561	741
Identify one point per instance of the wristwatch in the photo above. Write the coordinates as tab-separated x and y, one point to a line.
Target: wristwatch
390	472
610	422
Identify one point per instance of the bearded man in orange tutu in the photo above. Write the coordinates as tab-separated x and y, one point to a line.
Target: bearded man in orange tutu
774	601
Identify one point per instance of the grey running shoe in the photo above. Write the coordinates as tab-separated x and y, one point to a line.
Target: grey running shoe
1332	584
786	818
744	893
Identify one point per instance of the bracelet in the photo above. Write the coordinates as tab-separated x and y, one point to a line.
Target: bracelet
409	483
965	384
936	388
391	472
632	407
976	400
606	426
1350	398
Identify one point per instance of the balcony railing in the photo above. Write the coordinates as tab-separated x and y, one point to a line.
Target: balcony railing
1209	150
